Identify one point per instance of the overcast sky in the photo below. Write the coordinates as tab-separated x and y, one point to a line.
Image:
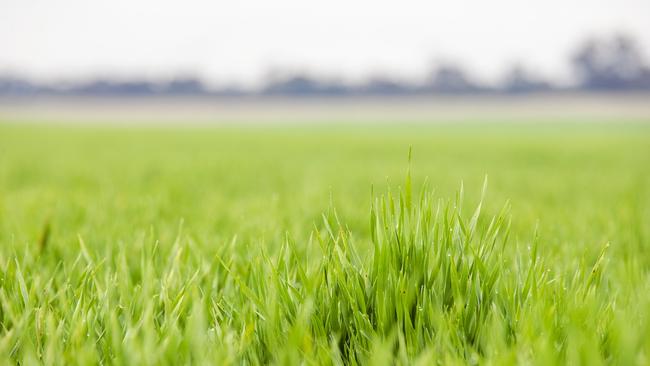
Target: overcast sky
241	40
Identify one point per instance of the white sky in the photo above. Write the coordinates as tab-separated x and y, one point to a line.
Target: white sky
240	40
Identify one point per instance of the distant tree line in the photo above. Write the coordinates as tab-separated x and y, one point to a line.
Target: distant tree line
600	64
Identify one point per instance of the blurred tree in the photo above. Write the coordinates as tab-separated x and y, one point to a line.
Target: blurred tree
450	78
184	86
13	85
383	85
611	63
303	85
519	80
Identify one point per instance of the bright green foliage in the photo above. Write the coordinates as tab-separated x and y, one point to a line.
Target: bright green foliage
247	270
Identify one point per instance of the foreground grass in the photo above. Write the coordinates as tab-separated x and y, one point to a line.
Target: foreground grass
167	247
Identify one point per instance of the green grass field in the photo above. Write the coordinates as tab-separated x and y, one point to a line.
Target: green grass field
315	245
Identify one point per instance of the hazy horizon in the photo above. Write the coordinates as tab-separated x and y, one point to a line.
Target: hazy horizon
245	41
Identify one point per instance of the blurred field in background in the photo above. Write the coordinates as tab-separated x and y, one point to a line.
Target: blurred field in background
281	178
568	176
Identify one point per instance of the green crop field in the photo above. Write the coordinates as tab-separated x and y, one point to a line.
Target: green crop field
493	243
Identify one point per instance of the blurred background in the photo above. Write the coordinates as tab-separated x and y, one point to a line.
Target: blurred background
291	61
